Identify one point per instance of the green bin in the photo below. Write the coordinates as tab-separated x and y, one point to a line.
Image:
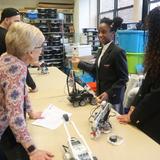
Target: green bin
133	59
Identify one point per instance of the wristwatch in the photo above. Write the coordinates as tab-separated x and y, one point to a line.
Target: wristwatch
31	148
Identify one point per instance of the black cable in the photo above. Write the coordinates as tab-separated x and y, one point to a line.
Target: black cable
65	148
92	112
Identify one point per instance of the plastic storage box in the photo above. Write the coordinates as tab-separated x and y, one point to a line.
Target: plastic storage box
134	60
32	14
132	40
82	50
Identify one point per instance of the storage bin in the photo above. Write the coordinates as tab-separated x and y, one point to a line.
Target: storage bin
51	11
60	16
134	60
42	15
82	50
132	40
43	27
56	51
48	56
56	43
52	15
58	56
55	37
41	10
32	14
55	29
48	51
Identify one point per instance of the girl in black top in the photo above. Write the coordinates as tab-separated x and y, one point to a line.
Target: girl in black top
110	67
145	110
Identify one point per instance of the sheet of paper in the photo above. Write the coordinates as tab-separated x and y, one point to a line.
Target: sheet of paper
53	117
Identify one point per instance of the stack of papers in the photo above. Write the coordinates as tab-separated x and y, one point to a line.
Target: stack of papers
52	117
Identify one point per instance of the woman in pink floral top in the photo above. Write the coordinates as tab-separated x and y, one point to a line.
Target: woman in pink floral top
24	46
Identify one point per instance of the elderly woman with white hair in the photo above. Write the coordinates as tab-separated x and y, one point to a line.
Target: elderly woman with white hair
24	45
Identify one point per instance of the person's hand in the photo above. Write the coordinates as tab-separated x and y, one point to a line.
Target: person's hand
124	119
102	97
41	155
35	115
33	90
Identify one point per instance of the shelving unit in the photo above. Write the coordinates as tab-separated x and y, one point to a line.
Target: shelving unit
53	30
57	27
92	37
68	27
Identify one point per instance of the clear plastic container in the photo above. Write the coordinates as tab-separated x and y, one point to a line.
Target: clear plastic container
75	54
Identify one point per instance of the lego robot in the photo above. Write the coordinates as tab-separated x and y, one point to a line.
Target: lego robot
43	67
100	123
78	97
77	149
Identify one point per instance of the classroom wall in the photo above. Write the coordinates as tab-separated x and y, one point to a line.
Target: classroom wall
137	10
85	14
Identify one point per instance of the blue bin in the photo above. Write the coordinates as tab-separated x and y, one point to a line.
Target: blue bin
32	14
132	40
